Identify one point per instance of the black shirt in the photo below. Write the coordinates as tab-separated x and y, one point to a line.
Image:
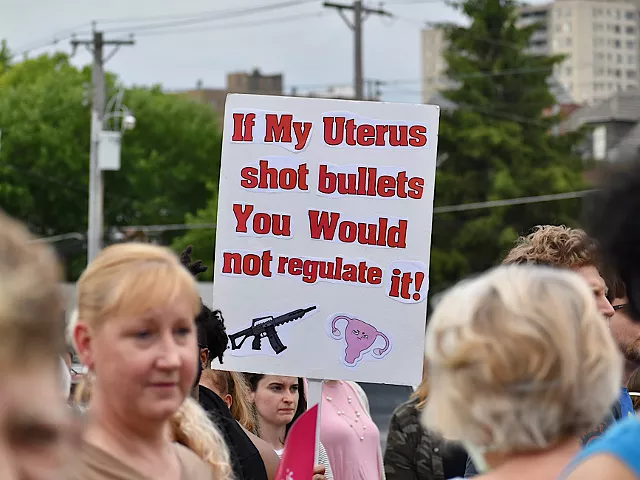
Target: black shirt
454	459
246	461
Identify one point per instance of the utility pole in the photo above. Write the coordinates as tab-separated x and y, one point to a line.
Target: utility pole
360	13
96	188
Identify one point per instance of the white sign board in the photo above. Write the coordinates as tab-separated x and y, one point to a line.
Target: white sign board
323	237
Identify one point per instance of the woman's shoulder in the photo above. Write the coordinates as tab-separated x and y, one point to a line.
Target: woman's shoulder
620	441
192	466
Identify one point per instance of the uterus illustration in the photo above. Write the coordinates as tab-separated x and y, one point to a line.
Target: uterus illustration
359	337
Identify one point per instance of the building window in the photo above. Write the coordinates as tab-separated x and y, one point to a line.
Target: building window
630	30
629	15
617	44
631	74
631	59
618	73
568	42
597	12
619	58
630	44
616	28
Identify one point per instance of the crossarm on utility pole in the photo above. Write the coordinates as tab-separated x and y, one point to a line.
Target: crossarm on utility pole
360	12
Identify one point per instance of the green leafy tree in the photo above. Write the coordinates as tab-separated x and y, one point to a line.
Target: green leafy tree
497	143
167	161
202	239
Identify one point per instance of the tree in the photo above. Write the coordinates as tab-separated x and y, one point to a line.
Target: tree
202	239
166	164
5	56
498	143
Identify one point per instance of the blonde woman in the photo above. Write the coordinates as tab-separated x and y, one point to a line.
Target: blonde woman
521	363
135	332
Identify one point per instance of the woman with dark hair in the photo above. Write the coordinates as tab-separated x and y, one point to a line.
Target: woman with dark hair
278	402
251	457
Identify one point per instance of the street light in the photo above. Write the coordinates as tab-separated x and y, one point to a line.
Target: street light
116	119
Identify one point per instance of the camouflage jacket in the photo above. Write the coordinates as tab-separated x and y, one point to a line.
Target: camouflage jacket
412	453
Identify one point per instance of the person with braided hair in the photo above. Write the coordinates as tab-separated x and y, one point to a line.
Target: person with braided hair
251	457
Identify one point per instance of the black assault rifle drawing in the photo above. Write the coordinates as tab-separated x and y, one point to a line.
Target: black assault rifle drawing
267	329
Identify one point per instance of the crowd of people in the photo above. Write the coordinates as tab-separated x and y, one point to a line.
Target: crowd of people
529	370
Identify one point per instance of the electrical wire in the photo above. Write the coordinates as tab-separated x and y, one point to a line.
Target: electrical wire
211	16
171	16
215	29
436	210
48	41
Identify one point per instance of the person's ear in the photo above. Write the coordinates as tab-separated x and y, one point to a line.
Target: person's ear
83	339
228	399
204	357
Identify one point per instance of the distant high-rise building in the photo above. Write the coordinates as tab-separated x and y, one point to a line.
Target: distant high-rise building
600	39
433	64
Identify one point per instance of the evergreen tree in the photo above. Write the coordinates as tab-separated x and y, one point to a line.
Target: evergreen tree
497	143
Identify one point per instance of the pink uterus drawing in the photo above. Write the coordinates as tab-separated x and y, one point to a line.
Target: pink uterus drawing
359	337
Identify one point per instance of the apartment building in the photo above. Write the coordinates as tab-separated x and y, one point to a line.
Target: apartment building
600	39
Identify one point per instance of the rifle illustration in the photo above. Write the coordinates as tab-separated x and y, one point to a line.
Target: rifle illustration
267	329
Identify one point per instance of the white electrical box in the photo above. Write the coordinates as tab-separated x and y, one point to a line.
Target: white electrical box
109	150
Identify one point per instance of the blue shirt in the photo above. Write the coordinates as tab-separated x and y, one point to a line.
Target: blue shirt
621	441
626	403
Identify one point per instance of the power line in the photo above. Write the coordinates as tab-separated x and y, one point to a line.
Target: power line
437	210
513	201
236	25
205	17
191	15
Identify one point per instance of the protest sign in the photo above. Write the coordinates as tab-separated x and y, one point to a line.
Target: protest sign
300	446
323	236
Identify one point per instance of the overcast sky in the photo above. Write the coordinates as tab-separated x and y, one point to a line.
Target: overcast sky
309	44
